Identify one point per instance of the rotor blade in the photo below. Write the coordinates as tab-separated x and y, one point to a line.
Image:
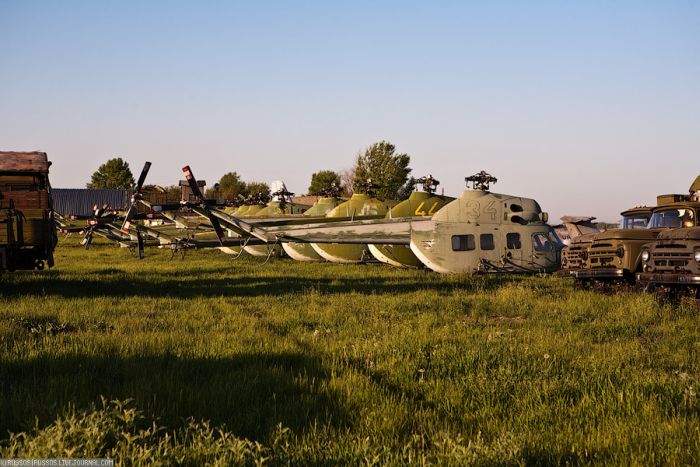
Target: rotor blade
207	212
133	208
194	186
217	227
139	242
142	177
87	240
129	215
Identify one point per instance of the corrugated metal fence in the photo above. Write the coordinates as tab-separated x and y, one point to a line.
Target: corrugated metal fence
80	201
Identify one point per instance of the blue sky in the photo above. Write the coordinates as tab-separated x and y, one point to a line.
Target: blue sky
588	107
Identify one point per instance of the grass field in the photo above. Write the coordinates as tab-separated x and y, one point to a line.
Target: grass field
209	360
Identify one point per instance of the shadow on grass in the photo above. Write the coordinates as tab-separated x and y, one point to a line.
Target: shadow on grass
249	394
239	286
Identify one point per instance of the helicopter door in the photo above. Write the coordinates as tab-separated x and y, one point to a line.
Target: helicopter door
514	248
463	248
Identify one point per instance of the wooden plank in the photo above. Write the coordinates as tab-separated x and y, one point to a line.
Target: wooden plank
11	161
24	199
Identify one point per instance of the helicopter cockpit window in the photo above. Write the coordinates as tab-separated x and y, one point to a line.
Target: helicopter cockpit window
673	218
635	222
463	242
486	242
513	241
542	242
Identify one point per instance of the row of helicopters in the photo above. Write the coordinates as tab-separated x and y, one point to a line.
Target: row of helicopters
477	232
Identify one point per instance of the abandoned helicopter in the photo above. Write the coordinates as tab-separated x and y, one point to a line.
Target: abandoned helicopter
512	232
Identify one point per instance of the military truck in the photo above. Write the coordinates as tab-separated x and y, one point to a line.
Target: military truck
576	234
614	256
575	256
27	226
671	264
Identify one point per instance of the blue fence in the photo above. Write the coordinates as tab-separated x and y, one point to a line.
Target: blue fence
80	201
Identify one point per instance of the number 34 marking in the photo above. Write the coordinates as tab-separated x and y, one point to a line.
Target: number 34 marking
474	210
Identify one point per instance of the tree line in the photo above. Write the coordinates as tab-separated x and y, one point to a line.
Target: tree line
378	171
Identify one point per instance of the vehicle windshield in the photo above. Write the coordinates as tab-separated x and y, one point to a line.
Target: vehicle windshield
638	221
673	218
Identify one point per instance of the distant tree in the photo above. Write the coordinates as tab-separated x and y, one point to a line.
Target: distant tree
161	194
254	188
388	171
211	193
322	180
231	186
114	173
406	189
173	193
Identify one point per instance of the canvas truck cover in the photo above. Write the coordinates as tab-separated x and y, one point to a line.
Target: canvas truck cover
11	161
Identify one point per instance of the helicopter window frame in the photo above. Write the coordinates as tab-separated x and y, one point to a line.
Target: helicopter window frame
463	242
542	243
487	242
513	241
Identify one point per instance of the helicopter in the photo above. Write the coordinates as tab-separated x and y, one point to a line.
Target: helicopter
512	232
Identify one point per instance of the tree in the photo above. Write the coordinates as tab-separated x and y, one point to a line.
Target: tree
157	194
114	173
388	171
257	188
231	186
173	193
323	180
406	189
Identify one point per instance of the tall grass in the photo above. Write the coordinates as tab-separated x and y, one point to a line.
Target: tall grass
203	359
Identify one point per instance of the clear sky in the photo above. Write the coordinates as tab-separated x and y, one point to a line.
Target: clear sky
589	107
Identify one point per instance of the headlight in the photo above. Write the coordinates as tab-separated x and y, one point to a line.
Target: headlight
646	255
584	255
620	252
697	256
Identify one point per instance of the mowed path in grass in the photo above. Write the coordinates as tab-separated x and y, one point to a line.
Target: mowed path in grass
324	363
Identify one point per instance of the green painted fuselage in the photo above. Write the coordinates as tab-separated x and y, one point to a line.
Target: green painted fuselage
304	251
357	207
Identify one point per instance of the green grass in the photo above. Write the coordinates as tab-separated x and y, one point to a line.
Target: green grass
209	360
